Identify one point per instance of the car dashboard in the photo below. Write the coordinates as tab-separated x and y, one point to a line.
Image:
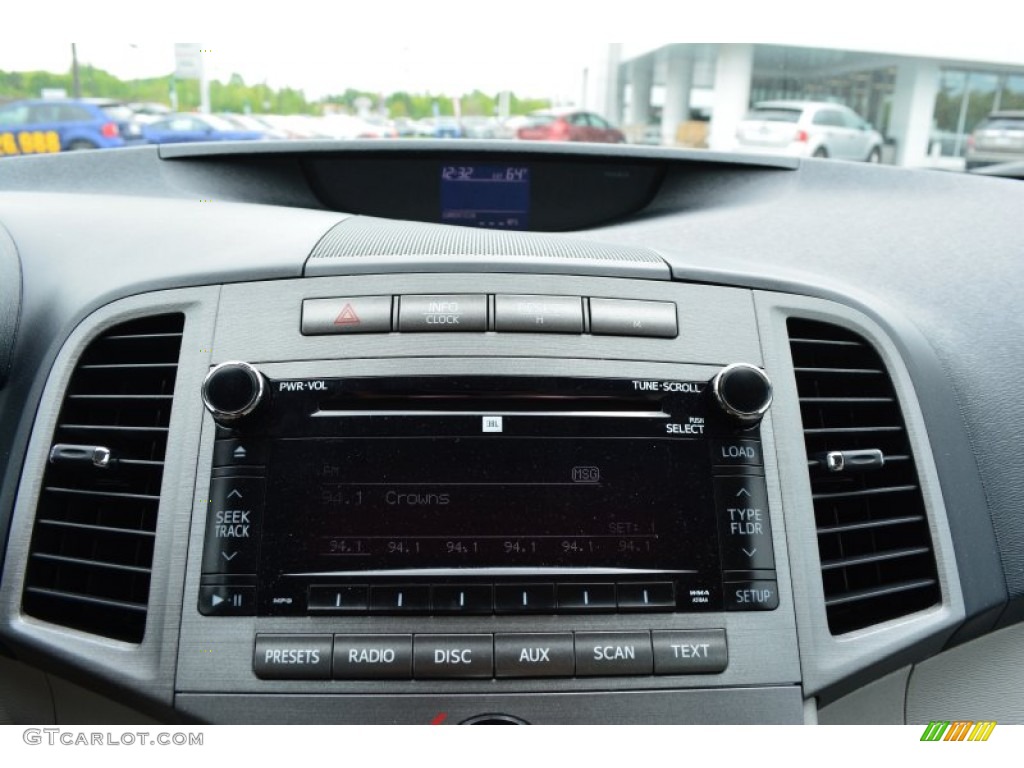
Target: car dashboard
362	432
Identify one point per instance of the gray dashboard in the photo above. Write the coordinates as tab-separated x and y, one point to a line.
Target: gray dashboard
922	265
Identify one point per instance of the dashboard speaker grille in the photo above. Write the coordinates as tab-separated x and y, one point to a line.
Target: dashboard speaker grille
356	244
876	552
92	544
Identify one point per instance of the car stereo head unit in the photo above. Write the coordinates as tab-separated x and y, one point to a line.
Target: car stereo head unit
478	495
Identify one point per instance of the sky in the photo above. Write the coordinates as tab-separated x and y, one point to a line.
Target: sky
533	47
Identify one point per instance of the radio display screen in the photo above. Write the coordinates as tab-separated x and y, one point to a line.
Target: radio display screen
383	503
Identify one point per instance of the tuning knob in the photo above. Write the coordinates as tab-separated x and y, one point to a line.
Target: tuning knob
232	391
743	391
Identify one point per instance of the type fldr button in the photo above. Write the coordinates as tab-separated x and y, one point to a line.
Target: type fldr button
457	312
292	657
354	314
533	655
744	527
372	657
613	653
453	656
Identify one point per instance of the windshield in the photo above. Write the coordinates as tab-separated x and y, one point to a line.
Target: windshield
912	104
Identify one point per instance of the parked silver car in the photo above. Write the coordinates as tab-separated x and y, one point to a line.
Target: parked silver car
809	129
999	138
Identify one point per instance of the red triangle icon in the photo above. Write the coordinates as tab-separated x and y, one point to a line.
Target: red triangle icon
348	316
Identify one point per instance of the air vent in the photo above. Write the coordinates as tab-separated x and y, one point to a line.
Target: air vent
876	553
92	545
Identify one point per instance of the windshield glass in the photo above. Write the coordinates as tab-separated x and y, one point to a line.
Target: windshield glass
916	104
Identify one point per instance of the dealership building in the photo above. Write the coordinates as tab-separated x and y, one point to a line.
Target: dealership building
925	103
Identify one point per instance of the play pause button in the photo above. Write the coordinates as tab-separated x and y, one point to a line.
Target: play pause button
224	600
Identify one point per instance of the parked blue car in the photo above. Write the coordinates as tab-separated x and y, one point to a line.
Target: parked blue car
35	126
181	128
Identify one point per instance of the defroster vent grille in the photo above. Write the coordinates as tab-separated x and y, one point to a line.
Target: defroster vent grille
92	545
876	552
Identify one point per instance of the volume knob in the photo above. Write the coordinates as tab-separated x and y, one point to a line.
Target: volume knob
743	391
232	390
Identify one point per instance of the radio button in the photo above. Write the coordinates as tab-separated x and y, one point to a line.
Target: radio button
743	523
621	317
751	595
354	314
233	525
736	453
656	596
471	598
693	652
457	312
586	598
534	655
341	599
372	657
440	656
400	599
538	314
292	657
524	598
613	653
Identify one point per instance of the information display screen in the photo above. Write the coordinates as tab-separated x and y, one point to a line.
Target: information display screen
367	504
486	196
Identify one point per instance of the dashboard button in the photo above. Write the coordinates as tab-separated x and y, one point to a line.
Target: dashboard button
469	598
353	314
292	657
372	657
538	314
456	312
744	527
524	598
233	525
613	653
341	599
643	596
534	655
239	453
227	600
621	317
400	599
438	656
585	598
751	595
736	453
690	652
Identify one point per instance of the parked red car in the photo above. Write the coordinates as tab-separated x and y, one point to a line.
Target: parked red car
570	125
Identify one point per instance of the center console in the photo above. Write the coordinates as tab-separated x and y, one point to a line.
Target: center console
466	487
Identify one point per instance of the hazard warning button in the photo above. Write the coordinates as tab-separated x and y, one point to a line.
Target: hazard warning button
351	314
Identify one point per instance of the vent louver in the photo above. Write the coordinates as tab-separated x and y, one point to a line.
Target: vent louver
876	553
92	544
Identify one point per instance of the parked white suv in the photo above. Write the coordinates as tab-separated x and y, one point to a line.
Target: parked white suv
809	129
